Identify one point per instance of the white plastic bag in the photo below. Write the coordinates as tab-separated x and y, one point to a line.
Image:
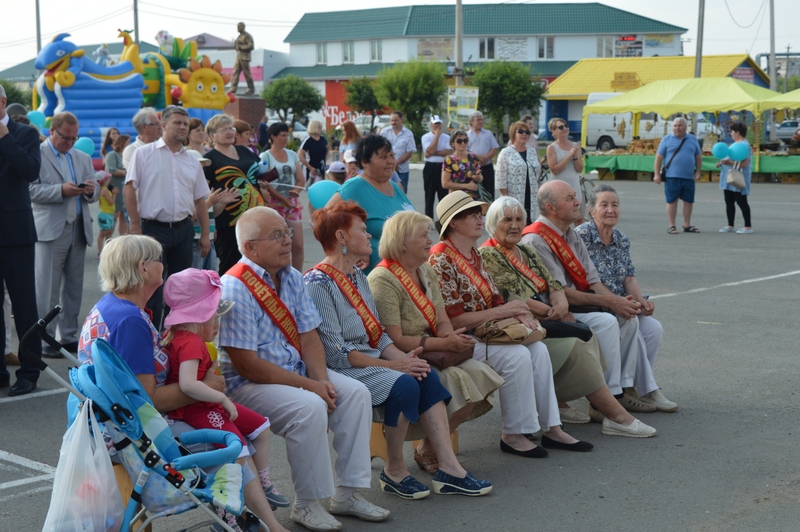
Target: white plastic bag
85	493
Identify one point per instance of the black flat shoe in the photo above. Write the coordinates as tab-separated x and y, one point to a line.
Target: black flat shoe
22	387
530	436
536	452
578	447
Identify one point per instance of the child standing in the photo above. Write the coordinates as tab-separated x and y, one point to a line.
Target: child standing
105	219
195	306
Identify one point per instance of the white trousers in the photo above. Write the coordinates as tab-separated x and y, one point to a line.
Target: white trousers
301	418
651	333
618	342
528	397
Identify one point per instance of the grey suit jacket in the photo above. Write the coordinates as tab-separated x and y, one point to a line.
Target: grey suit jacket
50	208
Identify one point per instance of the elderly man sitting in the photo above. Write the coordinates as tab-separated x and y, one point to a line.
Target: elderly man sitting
564	254
273	322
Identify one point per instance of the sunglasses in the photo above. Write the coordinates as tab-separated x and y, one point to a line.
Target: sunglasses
523	132
562	127
461	141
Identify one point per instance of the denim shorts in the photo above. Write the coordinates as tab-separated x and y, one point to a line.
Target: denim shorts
678	187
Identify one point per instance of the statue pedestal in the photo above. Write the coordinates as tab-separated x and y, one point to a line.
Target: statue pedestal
251	109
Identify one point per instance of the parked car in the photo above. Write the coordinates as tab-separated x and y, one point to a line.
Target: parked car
299	131
364	122
786	129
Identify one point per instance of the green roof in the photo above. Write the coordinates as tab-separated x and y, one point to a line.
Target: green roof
479	19
324	72
27	72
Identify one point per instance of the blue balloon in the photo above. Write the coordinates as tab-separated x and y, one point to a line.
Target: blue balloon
739	151
86	145
321	192
37	119
720	150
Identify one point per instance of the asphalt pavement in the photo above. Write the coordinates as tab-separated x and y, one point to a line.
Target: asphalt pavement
727	460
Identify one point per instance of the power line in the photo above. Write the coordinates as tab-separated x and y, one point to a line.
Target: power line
754	19
221	23
109	16
249	20
758	30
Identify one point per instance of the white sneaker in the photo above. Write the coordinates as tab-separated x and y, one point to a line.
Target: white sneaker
570	415
314	517
356	505
637	429
658	400
727	229
745	231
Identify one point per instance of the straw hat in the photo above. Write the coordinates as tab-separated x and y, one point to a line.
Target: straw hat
454	203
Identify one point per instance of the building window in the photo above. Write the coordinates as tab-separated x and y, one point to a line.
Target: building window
322	53
377	51
605	47
545	48
347	52
486	48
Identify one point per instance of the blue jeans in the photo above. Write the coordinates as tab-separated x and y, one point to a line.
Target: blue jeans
404	180
209	262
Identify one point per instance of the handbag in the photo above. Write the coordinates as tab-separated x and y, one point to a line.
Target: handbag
736	177
85	493
508	331
483	194
665	167
270	175
567	329
445	359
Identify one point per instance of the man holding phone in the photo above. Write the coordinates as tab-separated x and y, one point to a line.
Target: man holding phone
60	200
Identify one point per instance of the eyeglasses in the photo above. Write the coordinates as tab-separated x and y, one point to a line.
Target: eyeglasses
461	141
227	130
68	139
523	132
289	233
562	127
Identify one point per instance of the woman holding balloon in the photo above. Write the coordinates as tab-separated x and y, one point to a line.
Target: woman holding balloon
735	158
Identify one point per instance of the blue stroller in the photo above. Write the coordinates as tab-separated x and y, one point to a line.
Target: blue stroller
165	481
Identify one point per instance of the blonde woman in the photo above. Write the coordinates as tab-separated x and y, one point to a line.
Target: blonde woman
313	152
566	160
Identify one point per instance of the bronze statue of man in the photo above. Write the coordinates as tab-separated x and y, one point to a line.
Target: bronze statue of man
243	45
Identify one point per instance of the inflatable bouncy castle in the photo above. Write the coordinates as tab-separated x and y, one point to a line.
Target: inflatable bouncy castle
104	96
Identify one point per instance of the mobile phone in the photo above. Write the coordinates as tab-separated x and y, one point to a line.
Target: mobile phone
81	185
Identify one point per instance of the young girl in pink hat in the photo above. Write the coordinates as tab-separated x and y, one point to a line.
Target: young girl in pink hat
195	306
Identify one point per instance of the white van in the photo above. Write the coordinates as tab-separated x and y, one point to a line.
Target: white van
607	132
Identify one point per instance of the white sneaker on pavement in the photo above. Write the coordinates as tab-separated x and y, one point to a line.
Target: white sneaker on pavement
570	415
314	517
658	400
637	429
357	506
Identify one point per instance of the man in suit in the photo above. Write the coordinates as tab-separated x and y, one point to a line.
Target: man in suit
61	198
19	165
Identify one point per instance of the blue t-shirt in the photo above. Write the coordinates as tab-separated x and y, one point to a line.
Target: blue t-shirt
379	207
683	165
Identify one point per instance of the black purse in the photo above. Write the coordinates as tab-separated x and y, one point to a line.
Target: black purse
566	329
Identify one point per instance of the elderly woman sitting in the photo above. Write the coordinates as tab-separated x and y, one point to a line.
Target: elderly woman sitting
357	346
130	271
610	251
411	309
517	271
527	399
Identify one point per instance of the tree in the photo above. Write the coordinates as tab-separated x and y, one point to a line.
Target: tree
16	95
416	88
505	88
361	97
292	94
794	83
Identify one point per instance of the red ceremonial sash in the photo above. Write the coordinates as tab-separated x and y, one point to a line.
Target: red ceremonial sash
538	282
420	300
269	301
467	269
571	264
371	323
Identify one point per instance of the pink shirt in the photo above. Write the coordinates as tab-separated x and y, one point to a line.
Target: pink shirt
167	183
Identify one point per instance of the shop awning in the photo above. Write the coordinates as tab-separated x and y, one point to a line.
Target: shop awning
789	100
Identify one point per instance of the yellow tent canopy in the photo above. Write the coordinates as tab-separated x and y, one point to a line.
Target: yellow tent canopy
790	100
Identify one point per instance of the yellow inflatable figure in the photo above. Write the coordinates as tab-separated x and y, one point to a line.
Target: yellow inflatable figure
202	85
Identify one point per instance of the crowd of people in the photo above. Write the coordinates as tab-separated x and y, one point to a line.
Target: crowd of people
304	353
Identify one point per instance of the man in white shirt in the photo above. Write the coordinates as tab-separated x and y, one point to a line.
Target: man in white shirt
436	146
148	129
403	146
164	187
483	144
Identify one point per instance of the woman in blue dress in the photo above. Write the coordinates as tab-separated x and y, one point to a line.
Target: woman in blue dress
736	196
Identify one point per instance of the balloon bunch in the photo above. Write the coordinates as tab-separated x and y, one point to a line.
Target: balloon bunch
738	151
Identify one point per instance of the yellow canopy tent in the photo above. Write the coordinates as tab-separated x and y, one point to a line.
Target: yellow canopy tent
692	95
790	100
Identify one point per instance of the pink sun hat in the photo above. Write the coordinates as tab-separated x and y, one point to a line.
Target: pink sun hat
194	297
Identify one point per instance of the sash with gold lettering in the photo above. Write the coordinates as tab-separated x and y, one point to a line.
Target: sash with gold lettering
467	269
571	264
269	301
371	323
420	300
538	282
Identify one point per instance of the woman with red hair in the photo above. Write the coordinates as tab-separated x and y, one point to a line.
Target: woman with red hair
402	384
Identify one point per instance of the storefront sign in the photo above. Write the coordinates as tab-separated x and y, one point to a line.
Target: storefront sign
512	48
628	46
461	103
659	40
745	74
625	81
439	49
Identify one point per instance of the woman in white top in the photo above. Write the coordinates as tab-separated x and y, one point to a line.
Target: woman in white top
566	161
518	169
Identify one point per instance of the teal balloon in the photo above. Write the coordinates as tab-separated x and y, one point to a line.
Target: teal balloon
720	150
739	151
37	119
86	145
321	192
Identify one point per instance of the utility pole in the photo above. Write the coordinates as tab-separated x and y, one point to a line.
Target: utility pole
459	45
136	22
773	83
698	54
786	70
38	29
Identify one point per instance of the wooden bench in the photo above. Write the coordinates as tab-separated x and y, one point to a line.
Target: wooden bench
377	442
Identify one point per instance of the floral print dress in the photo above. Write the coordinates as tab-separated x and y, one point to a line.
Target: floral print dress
462	171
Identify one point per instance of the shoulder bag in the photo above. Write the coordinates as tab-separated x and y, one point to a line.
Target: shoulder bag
736	177
508	331
666	167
